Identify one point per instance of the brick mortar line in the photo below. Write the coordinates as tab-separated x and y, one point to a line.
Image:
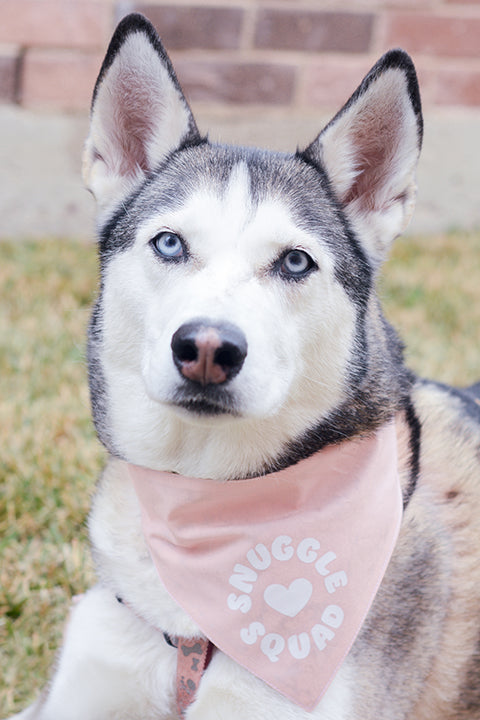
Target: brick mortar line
443	10
299	59
444	62
237	4
312	5
247	34
452	12
300	91
207	4
18	77
377	40
280	55
246	55
41	50
271	57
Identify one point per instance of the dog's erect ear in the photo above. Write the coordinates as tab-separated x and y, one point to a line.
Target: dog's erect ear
139	114
370	151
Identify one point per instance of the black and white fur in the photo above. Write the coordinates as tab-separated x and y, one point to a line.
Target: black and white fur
279	254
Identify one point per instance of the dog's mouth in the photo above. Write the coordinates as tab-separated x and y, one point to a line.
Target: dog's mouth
209	401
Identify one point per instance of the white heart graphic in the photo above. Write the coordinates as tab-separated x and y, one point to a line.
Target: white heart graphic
289	601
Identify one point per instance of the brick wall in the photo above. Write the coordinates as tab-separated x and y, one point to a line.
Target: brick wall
297	54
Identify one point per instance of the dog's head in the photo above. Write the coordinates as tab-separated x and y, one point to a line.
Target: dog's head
237	285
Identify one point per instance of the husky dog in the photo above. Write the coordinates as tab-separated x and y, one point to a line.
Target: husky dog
237	333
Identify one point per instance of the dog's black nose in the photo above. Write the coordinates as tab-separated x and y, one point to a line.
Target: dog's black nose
207	352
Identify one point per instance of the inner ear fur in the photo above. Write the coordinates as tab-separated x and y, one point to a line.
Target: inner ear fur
139	114
370	152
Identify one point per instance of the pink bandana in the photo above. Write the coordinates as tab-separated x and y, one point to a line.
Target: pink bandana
279	571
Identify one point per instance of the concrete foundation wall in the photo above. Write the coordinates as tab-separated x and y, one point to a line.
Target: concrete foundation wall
41	191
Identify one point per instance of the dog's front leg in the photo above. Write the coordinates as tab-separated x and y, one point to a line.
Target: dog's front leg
112	666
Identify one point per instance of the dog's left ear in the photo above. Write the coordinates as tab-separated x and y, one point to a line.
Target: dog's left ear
139	114
370	152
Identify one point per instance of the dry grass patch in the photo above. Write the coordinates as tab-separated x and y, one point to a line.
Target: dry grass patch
50	457
431	290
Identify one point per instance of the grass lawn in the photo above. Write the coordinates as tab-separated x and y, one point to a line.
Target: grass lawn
50	457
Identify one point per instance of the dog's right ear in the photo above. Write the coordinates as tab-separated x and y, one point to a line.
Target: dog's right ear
370	152
139	114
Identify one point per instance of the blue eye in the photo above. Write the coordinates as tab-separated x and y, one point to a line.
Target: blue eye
169	246
295	264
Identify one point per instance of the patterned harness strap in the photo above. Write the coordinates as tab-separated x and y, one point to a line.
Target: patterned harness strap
193	657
